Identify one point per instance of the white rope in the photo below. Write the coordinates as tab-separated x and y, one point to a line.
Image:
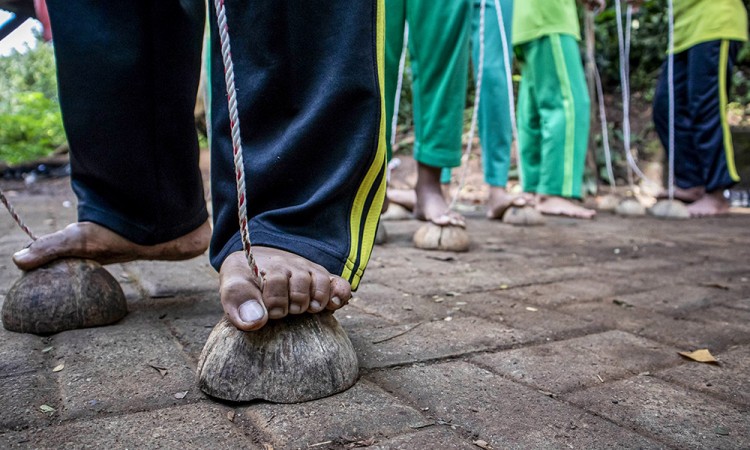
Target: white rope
234	124
624	50
605	127
475	112
399	84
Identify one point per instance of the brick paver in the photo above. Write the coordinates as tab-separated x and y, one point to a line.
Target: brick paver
561	336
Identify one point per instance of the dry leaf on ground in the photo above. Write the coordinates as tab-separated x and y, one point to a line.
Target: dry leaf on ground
702	355
59	367
180	395
47	409
482	444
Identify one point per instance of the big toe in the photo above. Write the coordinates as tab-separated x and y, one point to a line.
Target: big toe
41	251
241	296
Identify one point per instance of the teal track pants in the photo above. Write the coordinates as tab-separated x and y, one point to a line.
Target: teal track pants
495	132
439	55
553	116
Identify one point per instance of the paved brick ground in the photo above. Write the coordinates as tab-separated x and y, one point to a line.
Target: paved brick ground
562	336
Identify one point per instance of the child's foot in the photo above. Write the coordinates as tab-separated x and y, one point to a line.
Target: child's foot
688	195
430	202
290	284
92	241
500	200
406	198
559	206
710	204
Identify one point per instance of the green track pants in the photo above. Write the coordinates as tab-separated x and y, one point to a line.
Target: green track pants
553	116
495	132
439	56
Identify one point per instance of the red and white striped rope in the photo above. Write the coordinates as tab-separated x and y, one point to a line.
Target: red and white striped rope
234	124
15	215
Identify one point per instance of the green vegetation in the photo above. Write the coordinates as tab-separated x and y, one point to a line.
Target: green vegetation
30	119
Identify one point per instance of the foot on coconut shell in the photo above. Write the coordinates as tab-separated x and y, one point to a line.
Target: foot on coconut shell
709	205
88	240
501	200
685	195
290	284
432	207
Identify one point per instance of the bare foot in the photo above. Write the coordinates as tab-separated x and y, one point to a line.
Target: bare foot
290	285
688	195
500	200
710	204
430	202
559	206
402	197
91	241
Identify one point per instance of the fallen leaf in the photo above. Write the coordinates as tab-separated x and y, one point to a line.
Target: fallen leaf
503	286
532	309
59	367
180	395
702	355
622	303
230	416
482	444
47	350
162	370
47	409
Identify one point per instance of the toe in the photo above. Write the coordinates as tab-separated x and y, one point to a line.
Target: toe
43	250
341	293
276	294
321	291
300	286
240	295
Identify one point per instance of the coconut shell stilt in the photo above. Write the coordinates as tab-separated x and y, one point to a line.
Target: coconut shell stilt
630	207
297	359
66	294
608	203
670	209
523	216
446	238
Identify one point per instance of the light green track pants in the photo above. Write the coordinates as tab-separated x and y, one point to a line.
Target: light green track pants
495	132
553	116
439	56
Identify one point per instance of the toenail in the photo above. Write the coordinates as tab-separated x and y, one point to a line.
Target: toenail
295	309
251	311
22	253
314	305
336	301
277	312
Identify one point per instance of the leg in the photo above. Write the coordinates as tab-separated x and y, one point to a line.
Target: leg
495	129
529	127
689	180
135	173
564	108
310	102
709	72
440	57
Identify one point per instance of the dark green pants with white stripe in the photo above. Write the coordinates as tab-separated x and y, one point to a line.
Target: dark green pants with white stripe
553	116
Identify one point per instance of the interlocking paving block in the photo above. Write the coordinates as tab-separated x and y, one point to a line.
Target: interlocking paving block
172	278
581	362
25	380
538	323
435	437
728	381
423	341
678	332
117	369
365	411
500	412
674	299
397	306
680	417
725	317
201	425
